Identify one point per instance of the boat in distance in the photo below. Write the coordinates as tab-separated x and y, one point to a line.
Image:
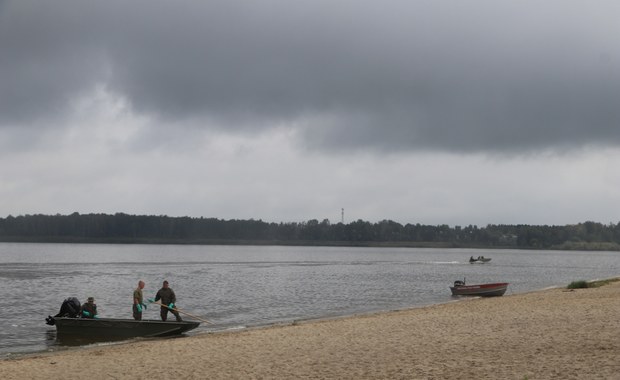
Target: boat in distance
120	328
479	290
479	260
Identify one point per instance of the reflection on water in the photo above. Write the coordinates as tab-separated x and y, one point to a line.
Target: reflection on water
237	286
50	336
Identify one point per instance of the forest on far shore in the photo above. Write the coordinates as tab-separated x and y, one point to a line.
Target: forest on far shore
153	229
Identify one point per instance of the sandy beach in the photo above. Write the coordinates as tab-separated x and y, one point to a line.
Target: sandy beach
549	334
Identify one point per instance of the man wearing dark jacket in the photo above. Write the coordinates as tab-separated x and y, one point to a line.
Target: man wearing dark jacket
168	300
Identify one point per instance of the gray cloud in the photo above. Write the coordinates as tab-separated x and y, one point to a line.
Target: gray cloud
390	75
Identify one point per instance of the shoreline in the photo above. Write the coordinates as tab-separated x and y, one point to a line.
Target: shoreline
566	246
294	322
545	334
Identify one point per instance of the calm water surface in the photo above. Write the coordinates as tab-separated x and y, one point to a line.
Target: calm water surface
241	286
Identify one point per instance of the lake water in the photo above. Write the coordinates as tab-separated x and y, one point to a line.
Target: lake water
243	286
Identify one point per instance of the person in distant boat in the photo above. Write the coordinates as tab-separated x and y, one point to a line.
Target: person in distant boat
89	309
138	301
168	301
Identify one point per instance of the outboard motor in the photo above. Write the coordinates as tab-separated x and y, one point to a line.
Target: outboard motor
70	308
459	283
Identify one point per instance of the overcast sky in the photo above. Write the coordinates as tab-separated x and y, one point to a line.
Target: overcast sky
434	112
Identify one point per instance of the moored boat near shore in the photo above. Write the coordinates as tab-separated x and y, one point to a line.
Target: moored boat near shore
120	328
480	290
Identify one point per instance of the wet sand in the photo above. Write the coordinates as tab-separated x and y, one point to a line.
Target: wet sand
549	334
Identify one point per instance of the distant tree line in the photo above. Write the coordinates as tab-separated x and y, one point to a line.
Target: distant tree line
124	228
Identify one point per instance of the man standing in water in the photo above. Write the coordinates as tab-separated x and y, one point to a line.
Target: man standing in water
138	303
168	299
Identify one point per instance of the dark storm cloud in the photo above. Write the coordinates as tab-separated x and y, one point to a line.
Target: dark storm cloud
393	75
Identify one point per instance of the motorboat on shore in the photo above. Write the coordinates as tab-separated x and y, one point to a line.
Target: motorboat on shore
119	328
480	290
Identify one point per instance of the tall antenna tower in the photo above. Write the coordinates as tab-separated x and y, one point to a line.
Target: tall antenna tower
342	216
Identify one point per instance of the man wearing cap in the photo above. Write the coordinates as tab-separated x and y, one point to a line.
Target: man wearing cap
168	299
89	309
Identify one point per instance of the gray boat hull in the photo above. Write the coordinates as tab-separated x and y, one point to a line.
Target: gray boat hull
120	328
